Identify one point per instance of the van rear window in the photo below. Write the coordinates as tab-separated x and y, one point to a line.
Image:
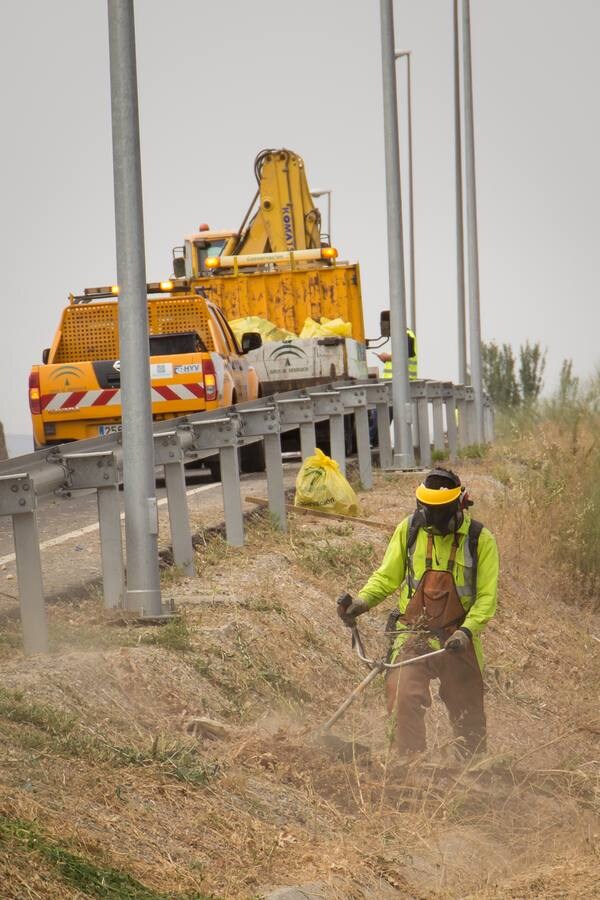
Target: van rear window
167	344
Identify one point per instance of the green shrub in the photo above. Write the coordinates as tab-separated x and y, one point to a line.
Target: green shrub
175	635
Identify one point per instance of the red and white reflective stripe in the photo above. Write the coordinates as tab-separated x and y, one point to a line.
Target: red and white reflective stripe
80	399
177	392
72	400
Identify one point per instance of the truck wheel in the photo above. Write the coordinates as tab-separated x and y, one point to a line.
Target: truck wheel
253	457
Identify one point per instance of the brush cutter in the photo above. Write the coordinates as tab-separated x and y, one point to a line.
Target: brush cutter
349	749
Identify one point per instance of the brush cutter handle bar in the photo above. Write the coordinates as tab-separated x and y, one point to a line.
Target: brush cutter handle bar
380	664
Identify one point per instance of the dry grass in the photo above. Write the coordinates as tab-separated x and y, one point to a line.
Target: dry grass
103	770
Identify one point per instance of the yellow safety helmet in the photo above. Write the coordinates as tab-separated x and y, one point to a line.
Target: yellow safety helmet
437	496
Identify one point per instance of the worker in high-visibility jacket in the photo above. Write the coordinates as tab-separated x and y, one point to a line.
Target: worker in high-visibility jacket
386	358
446	567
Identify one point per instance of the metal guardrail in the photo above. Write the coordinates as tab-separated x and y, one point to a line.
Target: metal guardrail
96	464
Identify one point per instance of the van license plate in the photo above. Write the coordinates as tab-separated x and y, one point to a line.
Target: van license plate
109	429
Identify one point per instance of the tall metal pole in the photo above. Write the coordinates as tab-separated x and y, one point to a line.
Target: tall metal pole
472	246
403	446
141	519
411	207
460	248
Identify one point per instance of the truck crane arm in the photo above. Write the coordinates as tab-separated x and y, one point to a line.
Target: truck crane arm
286	218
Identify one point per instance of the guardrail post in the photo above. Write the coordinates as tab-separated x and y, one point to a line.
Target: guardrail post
354	399
265	423
31	591
100	470
168	453
337	441
299	411
275	485
232	501
419	394
448	396
328	405
18	499
434	394
379	397
223	434
111	547
308	439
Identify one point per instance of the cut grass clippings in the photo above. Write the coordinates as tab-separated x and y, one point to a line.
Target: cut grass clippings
59	731
93	879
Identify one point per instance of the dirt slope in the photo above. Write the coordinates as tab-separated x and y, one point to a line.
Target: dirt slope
109	788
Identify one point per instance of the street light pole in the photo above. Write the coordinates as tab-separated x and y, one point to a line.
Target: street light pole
141	518
403	446
472	245
460	248
406	54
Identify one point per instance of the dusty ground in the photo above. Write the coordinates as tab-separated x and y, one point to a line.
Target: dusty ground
108	787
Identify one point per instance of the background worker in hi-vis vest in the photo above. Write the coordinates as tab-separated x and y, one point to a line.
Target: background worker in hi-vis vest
386	359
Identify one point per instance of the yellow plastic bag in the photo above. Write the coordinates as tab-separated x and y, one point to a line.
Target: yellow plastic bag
326	328
267	330
312	329
320	485
337	326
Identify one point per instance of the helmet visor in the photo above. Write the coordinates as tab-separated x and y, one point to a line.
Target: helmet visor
437	496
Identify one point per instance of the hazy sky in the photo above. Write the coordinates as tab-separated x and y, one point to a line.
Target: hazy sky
220	81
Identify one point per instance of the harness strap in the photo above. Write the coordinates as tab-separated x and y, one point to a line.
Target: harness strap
429	556
452	557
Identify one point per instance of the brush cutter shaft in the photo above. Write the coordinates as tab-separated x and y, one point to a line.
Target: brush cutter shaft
376	669
350	699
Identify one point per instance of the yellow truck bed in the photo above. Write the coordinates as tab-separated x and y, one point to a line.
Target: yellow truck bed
288	297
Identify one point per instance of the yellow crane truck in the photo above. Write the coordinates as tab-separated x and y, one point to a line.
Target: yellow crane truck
195	364
279	267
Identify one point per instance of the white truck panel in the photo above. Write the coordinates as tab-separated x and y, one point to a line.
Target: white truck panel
310	360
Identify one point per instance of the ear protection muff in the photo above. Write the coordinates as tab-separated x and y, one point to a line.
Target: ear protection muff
465	499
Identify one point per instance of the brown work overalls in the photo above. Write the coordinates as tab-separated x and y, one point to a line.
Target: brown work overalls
435	610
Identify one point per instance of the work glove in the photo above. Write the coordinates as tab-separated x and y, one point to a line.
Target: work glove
348	609
458	640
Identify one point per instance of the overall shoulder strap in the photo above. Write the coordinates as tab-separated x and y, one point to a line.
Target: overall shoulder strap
414	524
452	557
475	529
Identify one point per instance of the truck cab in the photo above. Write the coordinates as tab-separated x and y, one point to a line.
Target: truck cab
189	260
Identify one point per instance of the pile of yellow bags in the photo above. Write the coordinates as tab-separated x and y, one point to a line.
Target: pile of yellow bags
267	330
310	329
320	485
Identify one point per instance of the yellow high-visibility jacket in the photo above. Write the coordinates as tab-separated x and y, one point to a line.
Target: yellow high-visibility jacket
391	576
412	358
